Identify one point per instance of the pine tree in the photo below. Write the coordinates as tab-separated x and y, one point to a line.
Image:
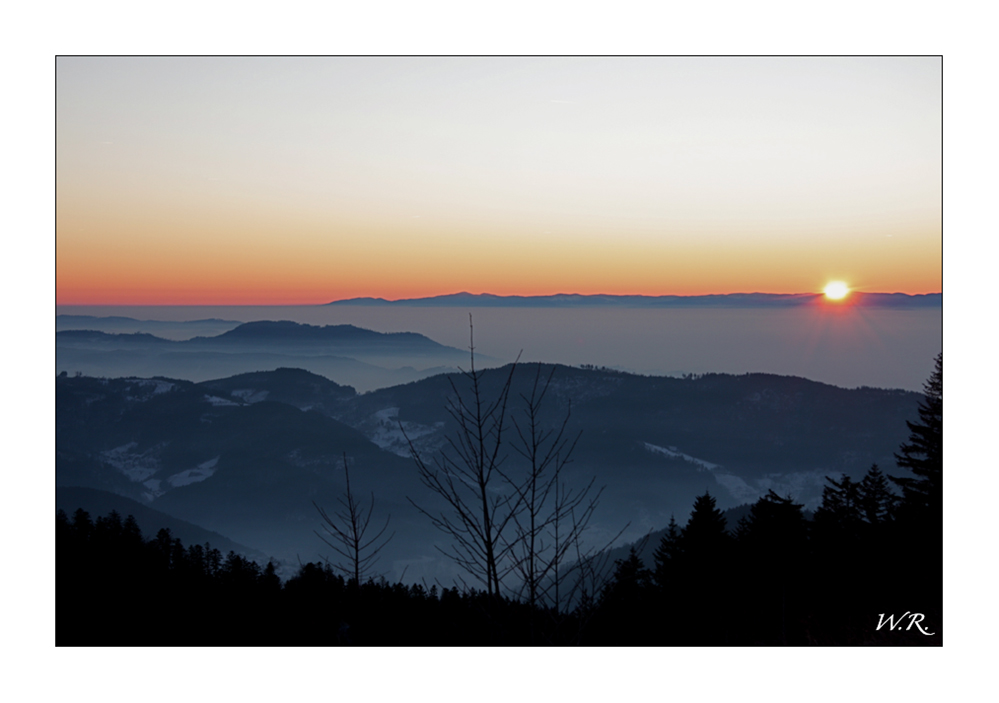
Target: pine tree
270	580
923	453
665	555
775	528
839	515
705	545
624	608
132	533
919	547
773	547
697	607
705	532
631	578
877	501
82	525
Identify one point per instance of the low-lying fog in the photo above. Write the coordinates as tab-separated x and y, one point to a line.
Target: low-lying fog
884	348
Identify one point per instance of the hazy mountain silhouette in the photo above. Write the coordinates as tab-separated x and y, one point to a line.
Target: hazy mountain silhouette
732	300
343	338
360	357
163	328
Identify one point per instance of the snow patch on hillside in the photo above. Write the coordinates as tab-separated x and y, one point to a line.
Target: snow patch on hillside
137	466
199	473
219	402
674	453
384	431
250	395
739	489
154	491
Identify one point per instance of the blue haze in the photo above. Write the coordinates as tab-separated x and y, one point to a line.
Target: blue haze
878	347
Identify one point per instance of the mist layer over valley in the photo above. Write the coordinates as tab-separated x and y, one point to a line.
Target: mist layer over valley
882	347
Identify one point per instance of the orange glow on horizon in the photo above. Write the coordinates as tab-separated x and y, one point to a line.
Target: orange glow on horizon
194	297
256	266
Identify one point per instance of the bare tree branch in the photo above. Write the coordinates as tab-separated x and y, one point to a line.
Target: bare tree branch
346	533
521	521
467	474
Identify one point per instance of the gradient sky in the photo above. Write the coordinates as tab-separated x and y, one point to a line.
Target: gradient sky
305	180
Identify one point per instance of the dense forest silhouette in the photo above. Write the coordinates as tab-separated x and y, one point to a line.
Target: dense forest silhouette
865	569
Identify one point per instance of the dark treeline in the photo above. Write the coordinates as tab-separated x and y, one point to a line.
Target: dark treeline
780	579
871	553
113	588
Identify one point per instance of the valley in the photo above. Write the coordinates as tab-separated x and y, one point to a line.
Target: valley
250	456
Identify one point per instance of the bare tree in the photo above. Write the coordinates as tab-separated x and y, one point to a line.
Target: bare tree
554	515
346	532
467	474
502	521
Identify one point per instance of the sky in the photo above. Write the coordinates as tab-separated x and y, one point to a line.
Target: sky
287	181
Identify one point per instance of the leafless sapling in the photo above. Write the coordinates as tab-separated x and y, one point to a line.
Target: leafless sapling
548	526
347	533
467	474
556	570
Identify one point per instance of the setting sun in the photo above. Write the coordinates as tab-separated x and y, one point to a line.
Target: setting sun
836	290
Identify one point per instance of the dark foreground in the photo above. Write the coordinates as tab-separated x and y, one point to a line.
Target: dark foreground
866	569
778	580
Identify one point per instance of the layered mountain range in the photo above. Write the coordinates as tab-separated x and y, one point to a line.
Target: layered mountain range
360	357
250	456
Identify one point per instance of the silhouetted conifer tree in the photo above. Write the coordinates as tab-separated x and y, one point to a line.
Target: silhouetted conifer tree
923	453
877	501
665	556
773	546
131	530
624	604
82	525
630	580
705	537
271	581
705	552
918	549
839	515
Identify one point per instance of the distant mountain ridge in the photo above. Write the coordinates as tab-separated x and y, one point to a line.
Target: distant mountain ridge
170	329
278	333
359	357
98	336
737	300
285	331
120	320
